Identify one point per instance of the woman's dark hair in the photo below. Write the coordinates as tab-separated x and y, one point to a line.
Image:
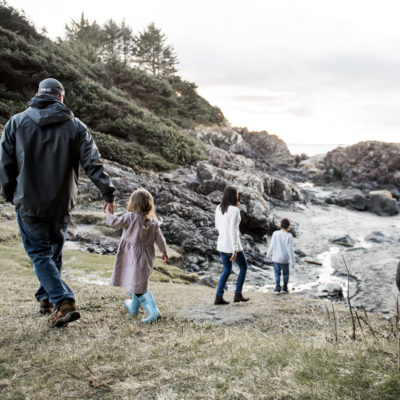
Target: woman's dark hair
285	223
230	198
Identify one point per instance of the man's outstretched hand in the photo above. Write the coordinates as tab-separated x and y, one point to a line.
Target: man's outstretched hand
109	208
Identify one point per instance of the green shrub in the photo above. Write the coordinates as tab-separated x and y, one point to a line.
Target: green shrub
137	118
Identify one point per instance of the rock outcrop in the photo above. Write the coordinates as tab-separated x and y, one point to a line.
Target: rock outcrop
378	202
366	165
369	172
266	146
186	198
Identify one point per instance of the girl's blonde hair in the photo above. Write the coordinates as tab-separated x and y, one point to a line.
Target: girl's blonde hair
142	203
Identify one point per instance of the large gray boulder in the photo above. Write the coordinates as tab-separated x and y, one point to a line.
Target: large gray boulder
353	198
382	205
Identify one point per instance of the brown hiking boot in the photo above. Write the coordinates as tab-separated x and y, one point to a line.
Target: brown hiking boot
64	315
238	297
219	300
45	307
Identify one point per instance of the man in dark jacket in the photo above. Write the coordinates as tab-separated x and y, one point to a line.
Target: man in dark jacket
40	152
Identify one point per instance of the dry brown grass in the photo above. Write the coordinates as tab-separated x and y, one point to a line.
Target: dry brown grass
277	348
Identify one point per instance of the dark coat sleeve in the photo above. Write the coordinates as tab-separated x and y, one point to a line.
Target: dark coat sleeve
8	162
89	158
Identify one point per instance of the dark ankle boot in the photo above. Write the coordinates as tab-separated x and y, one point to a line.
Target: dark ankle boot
219	300
239	297
45	307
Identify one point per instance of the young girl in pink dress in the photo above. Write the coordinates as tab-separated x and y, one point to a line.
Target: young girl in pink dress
135	256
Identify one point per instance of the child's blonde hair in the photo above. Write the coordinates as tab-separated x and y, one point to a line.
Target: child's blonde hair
142	203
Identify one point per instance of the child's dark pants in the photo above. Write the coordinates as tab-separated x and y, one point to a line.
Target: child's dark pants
278	268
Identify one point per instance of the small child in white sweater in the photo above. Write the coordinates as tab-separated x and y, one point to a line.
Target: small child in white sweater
282	252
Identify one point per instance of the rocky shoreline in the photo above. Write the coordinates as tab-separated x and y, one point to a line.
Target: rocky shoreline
272	184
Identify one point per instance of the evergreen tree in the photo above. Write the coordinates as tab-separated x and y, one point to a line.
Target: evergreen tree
112	39
152	54
90	35
126	42
168	62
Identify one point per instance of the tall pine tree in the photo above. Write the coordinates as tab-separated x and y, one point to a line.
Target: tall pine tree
127	42
112	39
152	54
89	34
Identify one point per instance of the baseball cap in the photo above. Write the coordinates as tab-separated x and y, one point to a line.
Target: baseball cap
51	86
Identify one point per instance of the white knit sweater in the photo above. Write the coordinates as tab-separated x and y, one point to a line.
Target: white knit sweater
228	229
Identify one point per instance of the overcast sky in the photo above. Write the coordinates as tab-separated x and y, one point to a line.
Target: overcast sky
310	71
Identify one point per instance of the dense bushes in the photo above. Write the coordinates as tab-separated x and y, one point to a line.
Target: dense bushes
130	154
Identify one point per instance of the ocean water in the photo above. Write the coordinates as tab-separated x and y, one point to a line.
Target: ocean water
312	149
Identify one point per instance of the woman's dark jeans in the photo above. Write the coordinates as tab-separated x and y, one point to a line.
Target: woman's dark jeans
241	262
278	268
43	240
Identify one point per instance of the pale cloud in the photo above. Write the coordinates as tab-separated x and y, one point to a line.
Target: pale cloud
305	70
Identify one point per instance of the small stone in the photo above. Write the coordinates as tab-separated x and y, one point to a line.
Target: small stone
330	290
300	253
194	267
377	237
208	281
344	240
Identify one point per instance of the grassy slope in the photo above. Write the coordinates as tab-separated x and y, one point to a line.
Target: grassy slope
107	355
136	118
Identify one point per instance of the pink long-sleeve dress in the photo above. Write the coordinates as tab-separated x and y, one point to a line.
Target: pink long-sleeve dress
135	256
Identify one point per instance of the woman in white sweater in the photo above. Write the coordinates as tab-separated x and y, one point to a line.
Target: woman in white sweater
227	220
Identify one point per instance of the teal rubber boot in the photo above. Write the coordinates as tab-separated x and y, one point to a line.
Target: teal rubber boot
148	304
132	305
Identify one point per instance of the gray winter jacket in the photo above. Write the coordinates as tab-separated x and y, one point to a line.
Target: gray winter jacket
40	152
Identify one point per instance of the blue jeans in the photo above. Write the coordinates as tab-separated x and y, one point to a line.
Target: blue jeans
242	262
43	239
278	268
